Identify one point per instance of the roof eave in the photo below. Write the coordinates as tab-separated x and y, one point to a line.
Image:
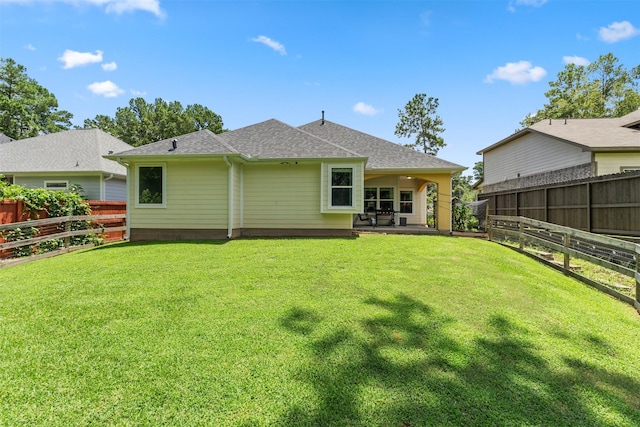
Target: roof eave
415	171
305	159
165	157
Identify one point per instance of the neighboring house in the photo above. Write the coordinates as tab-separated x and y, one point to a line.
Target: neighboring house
272	179
59	160
553	151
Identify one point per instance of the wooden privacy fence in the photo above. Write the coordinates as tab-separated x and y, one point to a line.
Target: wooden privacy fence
532	236
43	238
605	205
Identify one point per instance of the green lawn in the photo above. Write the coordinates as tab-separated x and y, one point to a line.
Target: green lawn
374	331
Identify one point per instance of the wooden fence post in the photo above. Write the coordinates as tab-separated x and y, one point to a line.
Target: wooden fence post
637	302
67	239
566	241
521	234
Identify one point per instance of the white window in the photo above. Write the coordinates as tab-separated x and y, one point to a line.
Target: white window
629	168
56	185
406	202
151	186
341	180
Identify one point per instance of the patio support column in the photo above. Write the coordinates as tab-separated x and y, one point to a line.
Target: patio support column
443	207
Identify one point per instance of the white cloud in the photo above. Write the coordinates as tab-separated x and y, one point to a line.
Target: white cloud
578	60
532	3
517	73
365	109
110	6
271	43
108	89
137	92
30	47
110	66
618	31
73	59
121	6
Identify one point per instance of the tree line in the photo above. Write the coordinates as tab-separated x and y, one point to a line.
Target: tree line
27	109
604	88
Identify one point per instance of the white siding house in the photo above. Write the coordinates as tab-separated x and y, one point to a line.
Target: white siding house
560	150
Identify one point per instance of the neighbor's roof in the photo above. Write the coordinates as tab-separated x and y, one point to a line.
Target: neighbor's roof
78	150
273	139
382	154
607	134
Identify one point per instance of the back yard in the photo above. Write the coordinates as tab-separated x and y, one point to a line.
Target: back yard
374	331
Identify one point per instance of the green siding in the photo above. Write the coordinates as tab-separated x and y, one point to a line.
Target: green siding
196	197
610	163
277	196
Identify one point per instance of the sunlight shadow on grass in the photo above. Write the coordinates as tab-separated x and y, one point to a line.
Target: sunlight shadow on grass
402	367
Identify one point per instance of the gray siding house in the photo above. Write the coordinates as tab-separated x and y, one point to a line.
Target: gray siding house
59	160
559	150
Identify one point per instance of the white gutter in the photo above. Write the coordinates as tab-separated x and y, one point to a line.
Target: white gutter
103	188
229	197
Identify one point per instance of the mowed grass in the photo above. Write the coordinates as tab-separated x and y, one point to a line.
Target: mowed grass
374	331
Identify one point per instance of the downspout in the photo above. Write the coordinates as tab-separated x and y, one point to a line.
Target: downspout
230	198
128	199
103	189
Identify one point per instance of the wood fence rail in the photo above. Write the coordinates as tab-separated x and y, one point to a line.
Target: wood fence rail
613	254
51	229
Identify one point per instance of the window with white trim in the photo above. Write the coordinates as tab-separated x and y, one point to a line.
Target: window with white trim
341	182
406	201
629	169
56	185
150	186
378	199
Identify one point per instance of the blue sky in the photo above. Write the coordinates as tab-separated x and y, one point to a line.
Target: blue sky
488	62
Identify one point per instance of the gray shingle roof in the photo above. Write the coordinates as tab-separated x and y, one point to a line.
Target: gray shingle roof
200	142
382	154
273	139
78	150
607	134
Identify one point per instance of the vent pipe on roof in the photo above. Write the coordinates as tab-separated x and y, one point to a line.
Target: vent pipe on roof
322	118
565	120
174	145
549	121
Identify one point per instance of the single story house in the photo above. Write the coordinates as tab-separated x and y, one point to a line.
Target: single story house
557	150
272	179
56	161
